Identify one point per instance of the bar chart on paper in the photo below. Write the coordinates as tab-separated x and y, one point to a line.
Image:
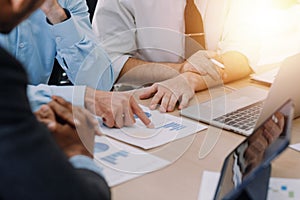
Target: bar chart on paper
167	128
119	162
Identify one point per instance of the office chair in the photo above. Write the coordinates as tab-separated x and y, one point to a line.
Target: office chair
58	75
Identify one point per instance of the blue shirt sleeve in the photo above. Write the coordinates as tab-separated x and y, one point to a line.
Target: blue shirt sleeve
41	94
78	50
84	162
36	43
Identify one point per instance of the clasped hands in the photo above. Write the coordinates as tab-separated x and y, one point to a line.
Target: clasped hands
73	128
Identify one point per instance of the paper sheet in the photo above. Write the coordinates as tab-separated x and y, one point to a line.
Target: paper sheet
266	77
208	185
120	162
295	146
279	188
167	128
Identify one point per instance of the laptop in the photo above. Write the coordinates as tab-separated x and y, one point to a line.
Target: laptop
246	170
244	109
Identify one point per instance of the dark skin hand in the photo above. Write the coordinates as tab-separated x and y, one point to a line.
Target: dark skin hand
262	138
73	128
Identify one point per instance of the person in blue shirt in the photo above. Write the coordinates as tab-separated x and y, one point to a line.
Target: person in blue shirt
61	29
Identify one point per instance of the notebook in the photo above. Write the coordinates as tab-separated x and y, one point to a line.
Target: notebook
246	170
241	110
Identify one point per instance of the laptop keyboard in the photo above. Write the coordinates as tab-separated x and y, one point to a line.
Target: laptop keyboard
244	118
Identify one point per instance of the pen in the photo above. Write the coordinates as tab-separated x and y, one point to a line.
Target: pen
194	34
217	63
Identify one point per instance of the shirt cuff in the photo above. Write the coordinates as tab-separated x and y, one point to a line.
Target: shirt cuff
84	162
61	32
41	94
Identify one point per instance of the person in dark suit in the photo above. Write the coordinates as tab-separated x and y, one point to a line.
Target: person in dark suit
35	164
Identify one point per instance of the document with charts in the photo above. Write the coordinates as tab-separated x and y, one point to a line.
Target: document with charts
167	128
120	162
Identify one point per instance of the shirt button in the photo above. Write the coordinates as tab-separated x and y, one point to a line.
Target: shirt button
21	45
58	39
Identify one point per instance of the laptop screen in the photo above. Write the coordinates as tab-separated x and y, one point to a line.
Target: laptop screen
255	153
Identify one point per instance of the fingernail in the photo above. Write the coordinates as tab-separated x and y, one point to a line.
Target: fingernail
152	107
44	108
150	125
51	125
77	122
162	109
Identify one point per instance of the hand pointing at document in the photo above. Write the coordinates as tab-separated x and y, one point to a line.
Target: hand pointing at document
117	109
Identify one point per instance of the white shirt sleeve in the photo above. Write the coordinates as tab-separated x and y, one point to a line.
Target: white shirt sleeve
233	29
239	33
114	25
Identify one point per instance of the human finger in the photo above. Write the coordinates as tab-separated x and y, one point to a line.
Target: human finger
108	120
128	116
212	71
119	118
172	103
272	127
44	112
156	99
280	119
62	112
184	101
93	122
165	101
268	135
62	102
84	116
140	114
201	61
148	92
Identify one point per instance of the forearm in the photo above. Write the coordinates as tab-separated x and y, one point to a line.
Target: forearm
54	12
148	71
236	67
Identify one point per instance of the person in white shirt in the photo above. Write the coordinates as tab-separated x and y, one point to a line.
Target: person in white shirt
147	38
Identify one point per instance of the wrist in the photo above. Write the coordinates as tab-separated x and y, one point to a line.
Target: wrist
192	79
55	14
89	99
76	150
179	67
195	80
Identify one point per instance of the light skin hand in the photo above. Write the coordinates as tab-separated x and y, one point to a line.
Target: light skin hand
76	138
117	109
200	63
54	12
168	92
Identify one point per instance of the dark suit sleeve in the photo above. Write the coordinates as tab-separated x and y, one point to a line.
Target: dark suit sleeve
31	164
